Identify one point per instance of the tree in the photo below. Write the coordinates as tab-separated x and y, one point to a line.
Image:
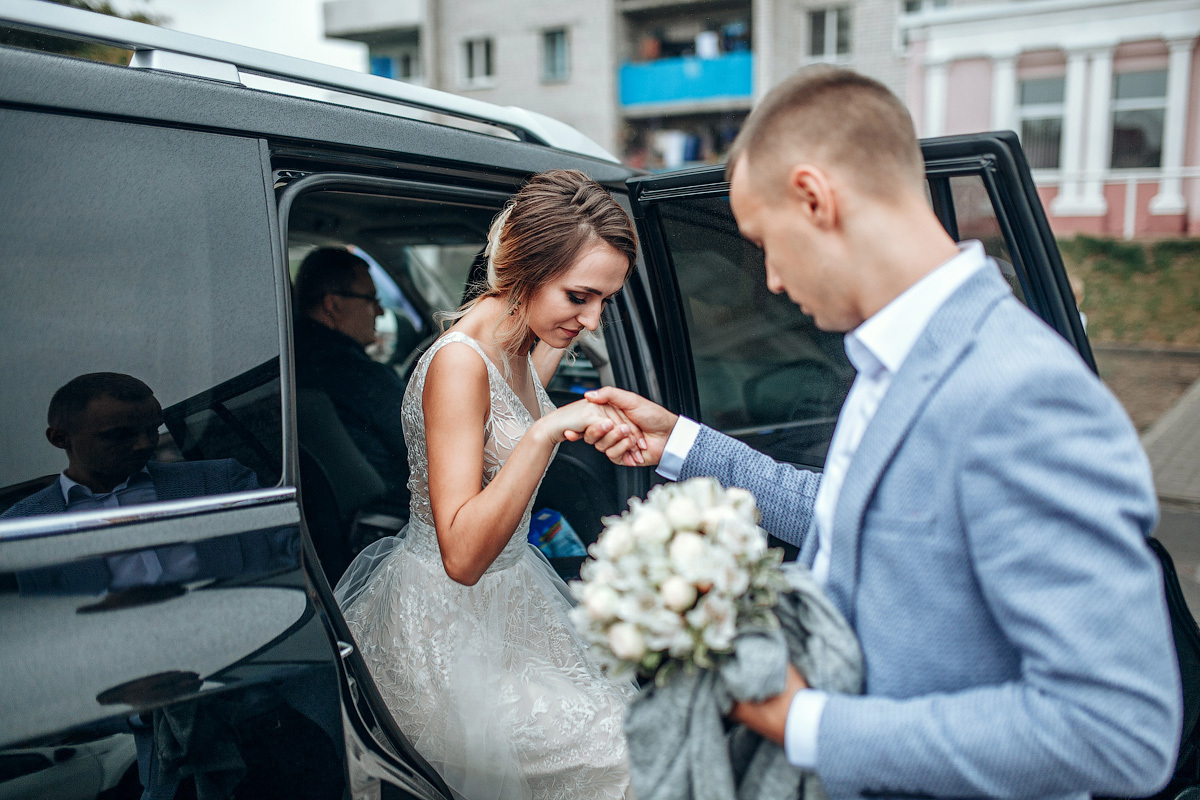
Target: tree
15	37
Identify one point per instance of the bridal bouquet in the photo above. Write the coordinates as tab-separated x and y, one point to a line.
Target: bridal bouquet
673	579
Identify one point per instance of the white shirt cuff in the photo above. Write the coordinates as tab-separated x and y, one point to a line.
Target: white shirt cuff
679	444
800	731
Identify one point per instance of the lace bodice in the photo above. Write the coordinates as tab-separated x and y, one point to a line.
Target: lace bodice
508	419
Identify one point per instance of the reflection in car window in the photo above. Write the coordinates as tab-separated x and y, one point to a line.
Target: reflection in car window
158	268
764	372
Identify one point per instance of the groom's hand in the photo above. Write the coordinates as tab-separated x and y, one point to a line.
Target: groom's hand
654	421
769	718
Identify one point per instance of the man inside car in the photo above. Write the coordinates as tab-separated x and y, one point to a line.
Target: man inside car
336	297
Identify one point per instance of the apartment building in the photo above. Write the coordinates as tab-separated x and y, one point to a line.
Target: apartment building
1105	94
660	83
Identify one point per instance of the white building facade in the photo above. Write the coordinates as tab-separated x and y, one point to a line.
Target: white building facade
1105	95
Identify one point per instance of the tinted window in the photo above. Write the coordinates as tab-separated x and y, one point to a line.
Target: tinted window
142	252
764	372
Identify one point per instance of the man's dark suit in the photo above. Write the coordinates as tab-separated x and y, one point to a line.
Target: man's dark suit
367	396
172	481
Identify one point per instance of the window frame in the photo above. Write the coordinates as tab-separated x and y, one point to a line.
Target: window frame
475	48
1144	103
562	35
839	14
1033	112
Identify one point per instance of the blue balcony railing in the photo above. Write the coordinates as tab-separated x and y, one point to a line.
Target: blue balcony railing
688	79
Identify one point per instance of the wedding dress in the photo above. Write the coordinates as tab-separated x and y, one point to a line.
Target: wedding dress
489	682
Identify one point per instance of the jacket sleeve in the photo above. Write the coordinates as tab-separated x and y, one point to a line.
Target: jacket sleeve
785	494
1054	500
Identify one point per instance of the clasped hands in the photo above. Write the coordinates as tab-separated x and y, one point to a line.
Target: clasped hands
634	432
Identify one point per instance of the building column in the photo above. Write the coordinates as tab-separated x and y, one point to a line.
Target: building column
1004	93
1066	203
935	98
1098	152
1169	199
762	38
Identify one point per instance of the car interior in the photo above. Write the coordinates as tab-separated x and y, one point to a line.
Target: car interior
426	260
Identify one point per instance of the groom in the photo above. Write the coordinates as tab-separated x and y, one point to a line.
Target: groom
982	516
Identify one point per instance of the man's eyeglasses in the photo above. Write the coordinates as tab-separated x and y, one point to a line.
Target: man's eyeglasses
370	298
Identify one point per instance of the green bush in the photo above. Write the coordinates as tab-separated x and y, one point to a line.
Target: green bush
1107	255
1166	252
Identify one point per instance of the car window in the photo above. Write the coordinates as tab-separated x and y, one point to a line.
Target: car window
976	219
137	283
764	372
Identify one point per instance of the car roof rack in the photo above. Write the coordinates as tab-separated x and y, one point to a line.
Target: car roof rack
184	53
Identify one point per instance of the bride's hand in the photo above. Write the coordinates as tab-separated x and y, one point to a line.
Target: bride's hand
569	422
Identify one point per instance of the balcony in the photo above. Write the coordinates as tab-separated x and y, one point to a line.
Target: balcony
688	84
351	19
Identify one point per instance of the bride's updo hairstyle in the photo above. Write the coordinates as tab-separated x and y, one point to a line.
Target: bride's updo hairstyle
540	233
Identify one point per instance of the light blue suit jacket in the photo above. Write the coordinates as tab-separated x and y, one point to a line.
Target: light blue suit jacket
989	549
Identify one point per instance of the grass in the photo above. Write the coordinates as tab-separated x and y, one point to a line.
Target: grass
1137	292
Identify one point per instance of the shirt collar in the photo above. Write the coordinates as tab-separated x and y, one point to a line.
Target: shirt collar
66	484
884	340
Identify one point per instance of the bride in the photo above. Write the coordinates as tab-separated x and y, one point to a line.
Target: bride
463	624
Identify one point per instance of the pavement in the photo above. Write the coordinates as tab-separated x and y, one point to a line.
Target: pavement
1173	445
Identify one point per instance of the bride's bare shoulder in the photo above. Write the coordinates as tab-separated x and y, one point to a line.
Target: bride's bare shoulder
456	384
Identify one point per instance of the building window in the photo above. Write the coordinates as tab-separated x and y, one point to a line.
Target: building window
1139	106
1040	112
478	63
556	58
829	34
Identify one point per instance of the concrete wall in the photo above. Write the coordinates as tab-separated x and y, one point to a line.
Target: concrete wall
587	100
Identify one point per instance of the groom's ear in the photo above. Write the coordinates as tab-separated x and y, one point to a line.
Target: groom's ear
809	191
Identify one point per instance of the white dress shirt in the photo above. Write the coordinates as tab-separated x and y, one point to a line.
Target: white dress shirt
877	348
144	567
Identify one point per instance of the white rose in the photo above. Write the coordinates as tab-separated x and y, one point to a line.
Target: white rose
678	594
626	641
651	525
616	541
683	514
661	628
716	519
743	503
686	549
705	492
601	603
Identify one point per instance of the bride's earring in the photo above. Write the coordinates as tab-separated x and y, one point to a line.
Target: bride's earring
513	310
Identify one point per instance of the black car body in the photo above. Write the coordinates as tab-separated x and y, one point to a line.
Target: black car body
149	221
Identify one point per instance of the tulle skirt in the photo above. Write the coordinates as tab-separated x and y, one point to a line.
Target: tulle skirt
489	682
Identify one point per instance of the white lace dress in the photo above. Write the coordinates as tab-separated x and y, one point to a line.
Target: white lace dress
489	682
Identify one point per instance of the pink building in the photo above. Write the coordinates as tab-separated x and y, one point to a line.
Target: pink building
1105	95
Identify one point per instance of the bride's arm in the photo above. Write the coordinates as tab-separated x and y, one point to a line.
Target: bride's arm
546	360
473	523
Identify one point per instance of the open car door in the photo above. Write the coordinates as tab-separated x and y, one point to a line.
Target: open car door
747	362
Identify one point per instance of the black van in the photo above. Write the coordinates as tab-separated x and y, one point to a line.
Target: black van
150	220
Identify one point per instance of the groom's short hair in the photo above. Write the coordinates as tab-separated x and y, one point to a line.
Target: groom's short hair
835	118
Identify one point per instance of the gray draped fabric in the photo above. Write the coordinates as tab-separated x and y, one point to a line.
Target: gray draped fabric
679	748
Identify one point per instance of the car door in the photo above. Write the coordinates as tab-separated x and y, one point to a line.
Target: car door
159	632
747	362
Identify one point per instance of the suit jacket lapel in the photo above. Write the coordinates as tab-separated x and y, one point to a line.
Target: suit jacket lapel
947	337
